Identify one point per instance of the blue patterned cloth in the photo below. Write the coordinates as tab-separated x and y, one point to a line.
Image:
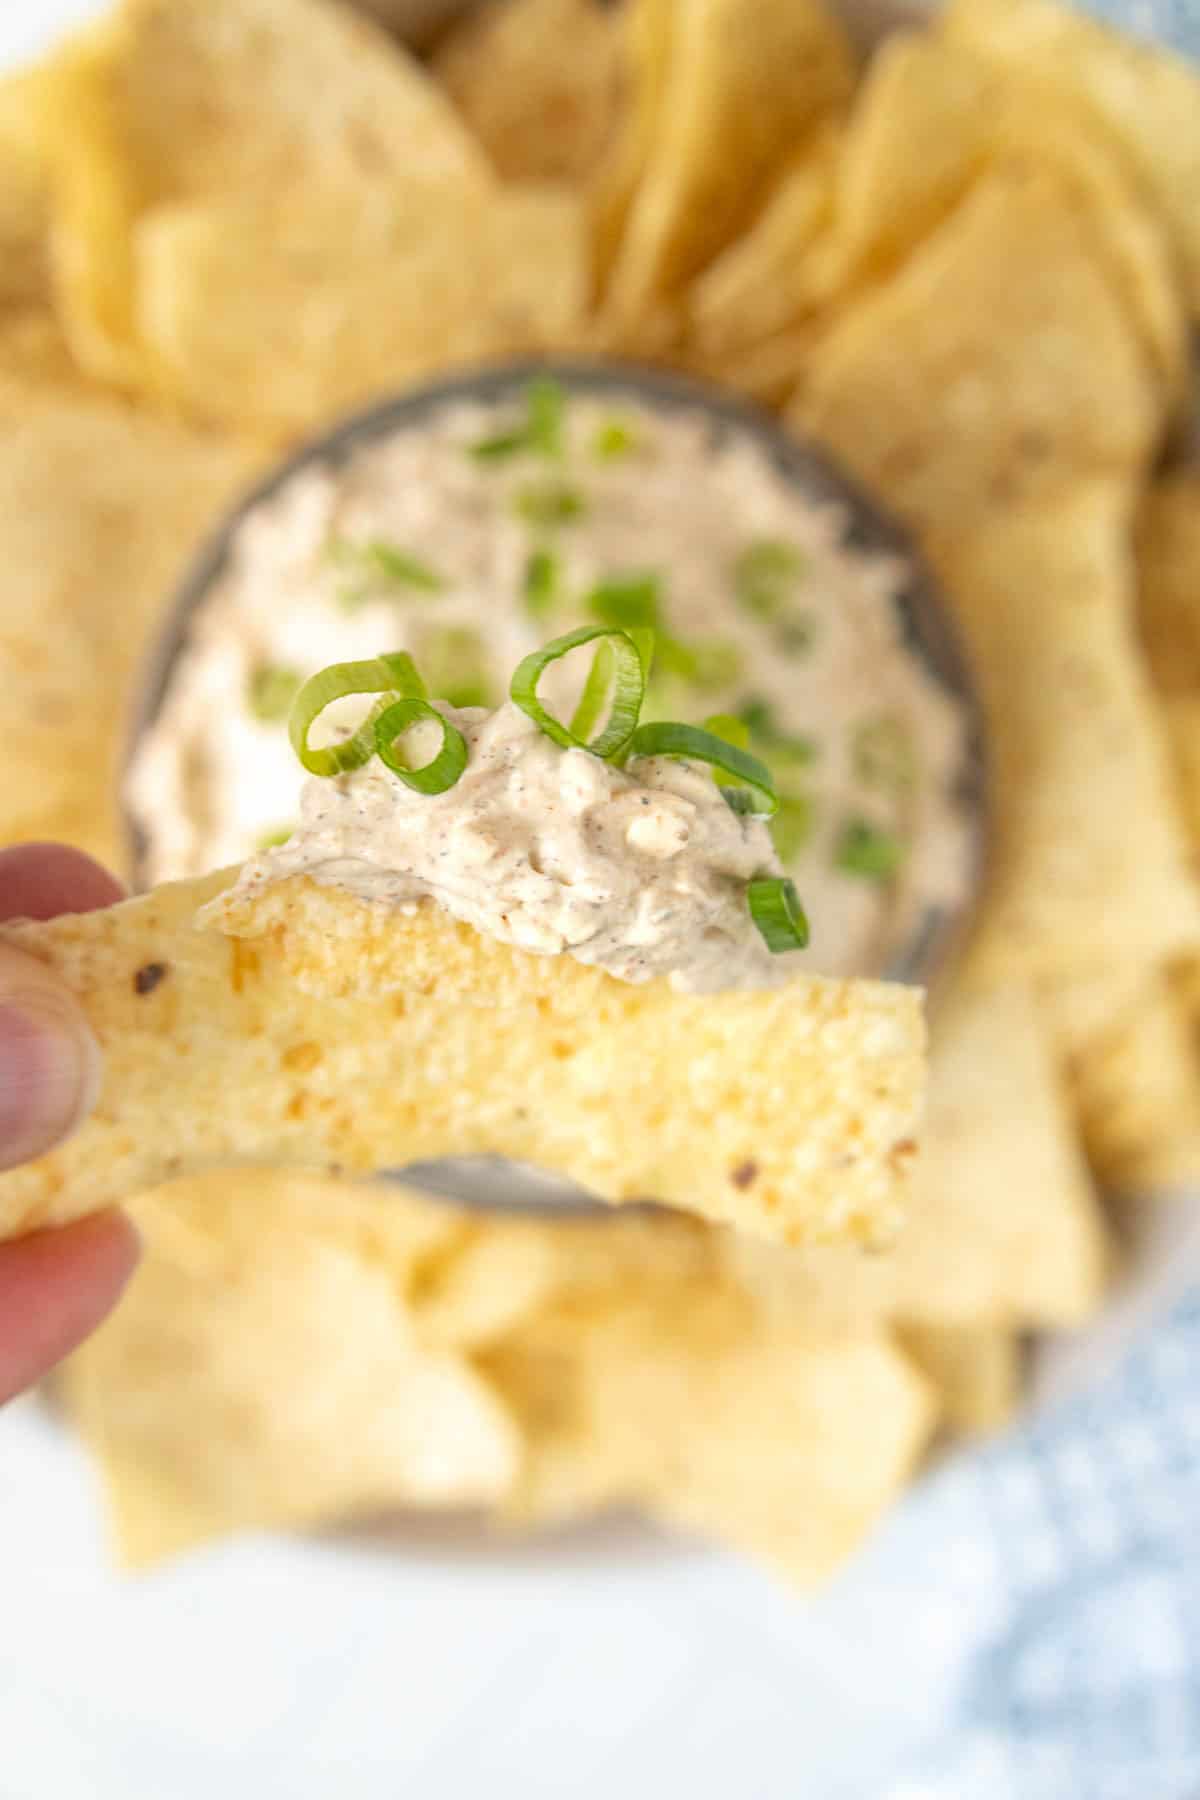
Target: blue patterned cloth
1048	1589
1175	22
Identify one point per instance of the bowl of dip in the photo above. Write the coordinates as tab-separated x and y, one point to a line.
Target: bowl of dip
470	520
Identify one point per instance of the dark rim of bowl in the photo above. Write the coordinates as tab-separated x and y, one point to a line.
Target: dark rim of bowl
928	629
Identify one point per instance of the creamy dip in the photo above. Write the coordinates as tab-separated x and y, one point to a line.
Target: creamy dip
469	539
642	870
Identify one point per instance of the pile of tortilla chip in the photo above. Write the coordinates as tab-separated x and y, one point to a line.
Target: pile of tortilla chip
969	265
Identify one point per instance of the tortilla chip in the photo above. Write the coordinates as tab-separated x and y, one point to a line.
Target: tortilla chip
1031	126
96	192
768	372
829	1439
538	83
34	353
689	1406
957	388
1003	1225
648	27
657	336
371	296
768	278
225	97
175	102
1144	98
276	1379
1168	550
1181	715
204	1227
916	138
790	1111
485	1282
1185	983
745	79
1089	864
98	510
1133	1075
24	201
975	1373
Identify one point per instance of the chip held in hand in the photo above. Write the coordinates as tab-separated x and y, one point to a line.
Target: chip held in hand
304	1026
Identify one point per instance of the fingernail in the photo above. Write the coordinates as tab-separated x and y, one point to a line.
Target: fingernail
49	1074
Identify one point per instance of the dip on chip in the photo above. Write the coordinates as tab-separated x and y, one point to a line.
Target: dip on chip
587	890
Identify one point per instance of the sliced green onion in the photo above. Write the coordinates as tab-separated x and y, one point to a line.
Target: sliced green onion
543	572
541	432
673	659
628	681
644	638
400	568
868	851
776	910
627	600
594	697
614	438
501	446
546	402
764	574
792	827
730	729
884	753
547	504
786	746
271	840
379	563
696	745
442	770
472	690
797	634
455	664
716	663
634	602
711	663
271	690
392	675
758	716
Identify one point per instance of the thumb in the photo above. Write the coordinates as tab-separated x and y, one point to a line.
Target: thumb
49	1060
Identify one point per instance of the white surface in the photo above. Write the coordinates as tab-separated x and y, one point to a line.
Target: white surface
27	26
296	1670
278	1668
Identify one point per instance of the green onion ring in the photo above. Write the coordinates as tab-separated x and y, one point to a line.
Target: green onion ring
590	709
643	636
695	745
628	686
391	675
443	770
776	910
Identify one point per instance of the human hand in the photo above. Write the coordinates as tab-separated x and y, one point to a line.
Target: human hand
55	1286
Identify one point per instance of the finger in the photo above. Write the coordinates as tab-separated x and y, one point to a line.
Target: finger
55	1287
49	1060
39	881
